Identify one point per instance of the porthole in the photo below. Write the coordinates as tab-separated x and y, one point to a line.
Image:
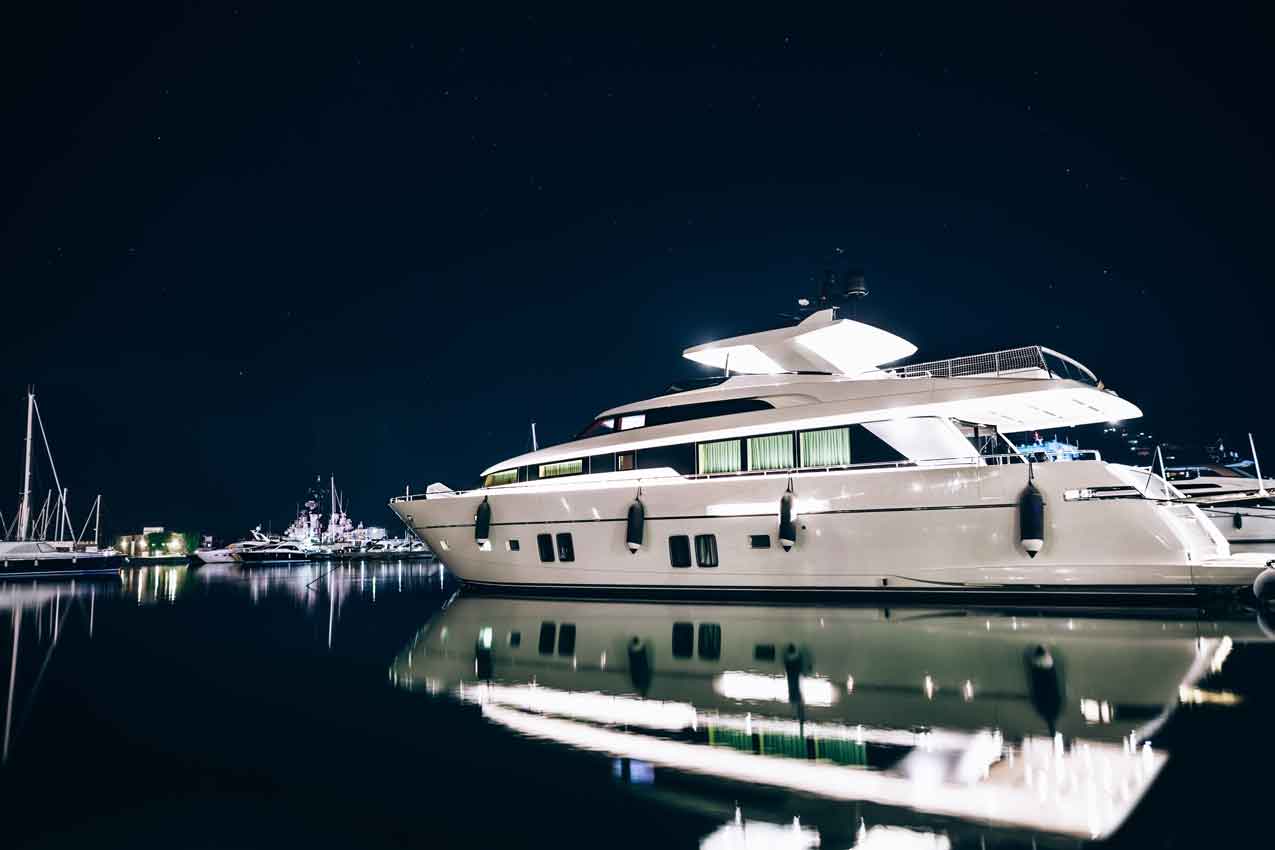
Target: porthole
679	550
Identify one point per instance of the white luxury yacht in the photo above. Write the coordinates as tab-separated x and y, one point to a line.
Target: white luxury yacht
811	467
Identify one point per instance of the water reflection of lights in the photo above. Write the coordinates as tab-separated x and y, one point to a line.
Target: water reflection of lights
154	583
898	838
1220	655
46	608
740	834
1096	711
1040	789
754	687
664	716
1199	696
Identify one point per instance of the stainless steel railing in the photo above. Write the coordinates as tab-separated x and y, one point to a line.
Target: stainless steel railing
999	363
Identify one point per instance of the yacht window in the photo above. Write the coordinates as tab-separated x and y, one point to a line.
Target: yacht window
545	544
825	447
705	410
566	547
567	639
683	640
602	463
770	452
764	652
913	439
548	636
597	427
624	461
706	550
710	641
512	545
759	541
562	467
633	420
515	639
504	476
679	550
680	459
719	456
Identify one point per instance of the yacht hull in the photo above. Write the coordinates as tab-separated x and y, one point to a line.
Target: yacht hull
1247	529
60	564
942	530
272	557
213	556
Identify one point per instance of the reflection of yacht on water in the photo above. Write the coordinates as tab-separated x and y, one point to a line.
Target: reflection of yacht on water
34	551
809	466
1019	719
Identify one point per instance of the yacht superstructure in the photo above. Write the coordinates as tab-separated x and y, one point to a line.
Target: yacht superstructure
810	466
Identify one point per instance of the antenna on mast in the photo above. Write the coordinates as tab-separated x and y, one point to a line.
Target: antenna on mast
535	445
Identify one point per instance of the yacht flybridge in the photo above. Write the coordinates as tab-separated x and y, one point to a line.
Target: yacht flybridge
812	465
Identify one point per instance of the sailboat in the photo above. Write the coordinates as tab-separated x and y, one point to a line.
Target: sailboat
31	552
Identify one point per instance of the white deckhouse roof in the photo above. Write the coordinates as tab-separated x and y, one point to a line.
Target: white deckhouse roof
820	343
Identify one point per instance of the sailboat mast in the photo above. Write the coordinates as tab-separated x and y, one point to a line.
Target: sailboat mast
24	509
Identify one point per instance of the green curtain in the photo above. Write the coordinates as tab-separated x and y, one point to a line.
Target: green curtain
826	447
771	452
565	467
721	456
505	476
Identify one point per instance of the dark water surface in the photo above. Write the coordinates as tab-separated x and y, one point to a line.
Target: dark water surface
349	708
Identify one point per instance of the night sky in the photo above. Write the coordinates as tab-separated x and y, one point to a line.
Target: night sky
242	248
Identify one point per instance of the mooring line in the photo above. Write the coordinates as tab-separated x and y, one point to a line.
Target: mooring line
310	584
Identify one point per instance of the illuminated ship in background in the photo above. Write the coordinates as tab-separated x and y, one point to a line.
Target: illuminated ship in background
45	543
339	532
810	465
310	538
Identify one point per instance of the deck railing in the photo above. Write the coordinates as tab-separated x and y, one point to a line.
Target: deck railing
967	460
1012	361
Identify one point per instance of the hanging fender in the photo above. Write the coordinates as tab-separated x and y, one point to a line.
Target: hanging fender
787	527
482	522
636	525
1045	685
640	665
1031	519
